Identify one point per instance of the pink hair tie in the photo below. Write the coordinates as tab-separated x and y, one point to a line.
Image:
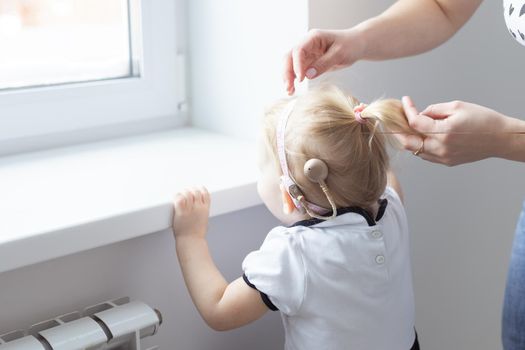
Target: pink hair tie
357	111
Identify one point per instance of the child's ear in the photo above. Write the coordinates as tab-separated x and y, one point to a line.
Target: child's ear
288	204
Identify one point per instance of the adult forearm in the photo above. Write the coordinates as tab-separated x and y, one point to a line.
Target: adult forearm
512	145
410	27
205	283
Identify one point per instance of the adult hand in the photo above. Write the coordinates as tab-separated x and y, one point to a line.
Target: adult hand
456	132
319	52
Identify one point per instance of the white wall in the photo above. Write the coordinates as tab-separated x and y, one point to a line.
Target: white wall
236	49
145	269
462	219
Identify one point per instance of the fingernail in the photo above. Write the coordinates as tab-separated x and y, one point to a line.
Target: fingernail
311	73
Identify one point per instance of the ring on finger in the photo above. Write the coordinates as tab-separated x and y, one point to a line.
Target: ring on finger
420	149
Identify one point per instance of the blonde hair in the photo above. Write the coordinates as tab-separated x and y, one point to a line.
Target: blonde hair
323	125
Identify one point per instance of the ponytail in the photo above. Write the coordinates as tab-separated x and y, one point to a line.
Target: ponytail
389	115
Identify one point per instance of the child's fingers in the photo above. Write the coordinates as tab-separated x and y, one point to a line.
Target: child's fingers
179	197
179	202
196	195
188	199
201	194
205	195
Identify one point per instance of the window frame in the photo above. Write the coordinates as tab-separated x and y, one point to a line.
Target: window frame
40	117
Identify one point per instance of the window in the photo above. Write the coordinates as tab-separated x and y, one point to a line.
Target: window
82	68
48	42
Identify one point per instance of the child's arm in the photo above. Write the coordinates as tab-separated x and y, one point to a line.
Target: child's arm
394	183
223	306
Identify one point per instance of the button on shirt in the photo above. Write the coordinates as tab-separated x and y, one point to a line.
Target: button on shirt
339	284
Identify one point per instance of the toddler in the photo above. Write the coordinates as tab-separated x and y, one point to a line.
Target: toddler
338	269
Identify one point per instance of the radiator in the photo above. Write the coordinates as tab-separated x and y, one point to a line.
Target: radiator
118	324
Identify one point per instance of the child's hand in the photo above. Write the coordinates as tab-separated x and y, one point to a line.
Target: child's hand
192	208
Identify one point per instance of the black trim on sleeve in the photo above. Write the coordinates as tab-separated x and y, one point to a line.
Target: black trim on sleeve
250	284
264	297
415	346
268	302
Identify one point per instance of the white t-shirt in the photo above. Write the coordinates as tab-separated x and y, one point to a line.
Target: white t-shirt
344	283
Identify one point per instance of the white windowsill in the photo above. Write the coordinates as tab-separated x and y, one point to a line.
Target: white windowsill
58	202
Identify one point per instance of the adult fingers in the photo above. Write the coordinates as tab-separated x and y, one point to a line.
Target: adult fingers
419	148
310	49
434	147
430	158
289	74
428	148
325	63
409	142
435	159
434	150
442	110
299	62
417	121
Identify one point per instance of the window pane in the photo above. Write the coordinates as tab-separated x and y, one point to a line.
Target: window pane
44	42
